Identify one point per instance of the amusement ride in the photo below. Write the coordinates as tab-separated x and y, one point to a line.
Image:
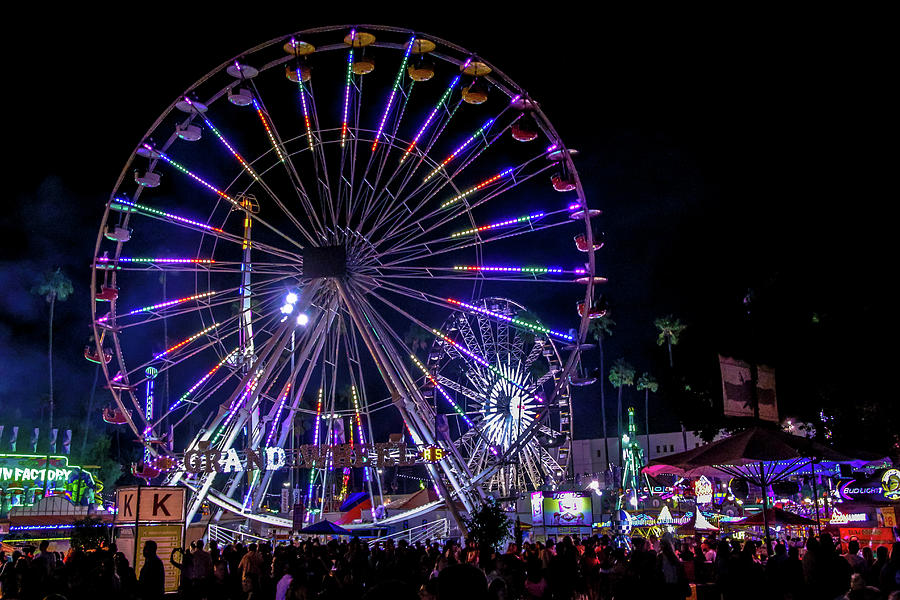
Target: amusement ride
337	236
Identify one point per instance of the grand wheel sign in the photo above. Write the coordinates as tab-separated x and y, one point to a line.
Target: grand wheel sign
149	505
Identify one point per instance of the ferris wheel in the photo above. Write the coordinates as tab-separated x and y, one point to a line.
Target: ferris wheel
499	397
297	223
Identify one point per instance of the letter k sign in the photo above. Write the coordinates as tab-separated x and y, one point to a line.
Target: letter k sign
159	506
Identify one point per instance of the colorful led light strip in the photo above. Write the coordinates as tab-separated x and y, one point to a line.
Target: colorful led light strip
278	414
483	363
269	131
148	409
390	101
231	149
160	213
465	144
209	186
439	388
186	341
514	321
474	189
202	380
349	82
312	471
427	122
152	307
523	219
362	438
309	135
196	261
528	270
236	404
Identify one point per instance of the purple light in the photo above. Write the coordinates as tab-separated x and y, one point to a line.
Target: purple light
532	326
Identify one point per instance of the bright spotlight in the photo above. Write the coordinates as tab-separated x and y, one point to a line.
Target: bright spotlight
302	319
287	309
291	298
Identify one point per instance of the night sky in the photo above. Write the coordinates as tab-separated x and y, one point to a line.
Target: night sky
728	153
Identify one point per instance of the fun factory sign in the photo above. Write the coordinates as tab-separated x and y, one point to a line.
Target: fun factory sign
31	469
25	477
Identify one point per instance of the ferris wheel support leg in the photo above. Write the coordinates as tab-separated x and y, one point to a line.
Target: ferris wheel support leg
318	343
272	350
395	384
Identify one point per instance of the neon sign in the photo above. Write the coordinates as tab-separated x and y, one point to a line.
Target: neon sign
703	489
205	458
890	484
839	518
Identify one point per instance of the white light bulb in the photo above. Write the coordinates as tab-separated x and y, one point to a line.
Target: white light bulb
291	298
287	309
302	319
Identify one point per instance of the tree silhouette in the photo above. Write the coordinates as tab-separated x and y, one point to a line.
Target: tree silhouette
417	339
53	286
602	328
620	375
669	330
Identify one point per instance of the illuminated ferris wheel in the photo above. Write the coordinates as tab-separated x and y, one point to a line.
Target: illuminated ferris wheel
298	222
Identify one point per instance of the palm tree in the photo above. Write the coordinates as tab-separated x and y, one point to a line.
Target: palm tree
602	328
53	286
417	339
620	375
669	330
647	383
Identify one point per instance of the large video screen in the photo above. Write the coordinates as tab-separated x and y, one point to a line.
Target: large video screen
567	509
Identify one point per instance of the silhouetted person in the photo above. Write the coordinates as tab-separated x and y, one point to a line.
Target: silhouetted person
153	577
461	581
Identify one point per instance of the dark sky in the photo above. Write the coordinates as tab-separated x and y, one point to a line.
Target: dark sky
727	151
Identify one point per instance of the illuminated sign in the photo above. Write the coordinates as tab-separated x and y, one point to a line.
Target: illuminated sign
30	470
206	459
537	508
26	478
839	518
883	486
703	489
568	509
890	484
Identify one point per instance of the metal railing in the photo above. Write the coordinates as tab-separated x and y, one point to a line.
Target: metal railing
223	535
436	530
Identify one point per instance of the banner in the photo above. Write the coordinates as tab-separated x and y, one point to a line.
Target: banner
737	391
765	393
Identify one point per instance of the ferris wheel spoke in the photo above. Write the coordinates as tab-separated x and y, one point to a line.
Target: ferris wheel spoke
376	198
431	191
249	169
285	159
318	138
486	273
426	249
409	174
159	154
499	184
165	310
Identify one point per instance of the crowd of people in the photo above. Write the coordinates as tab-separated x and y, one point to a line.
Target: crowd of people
593	568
